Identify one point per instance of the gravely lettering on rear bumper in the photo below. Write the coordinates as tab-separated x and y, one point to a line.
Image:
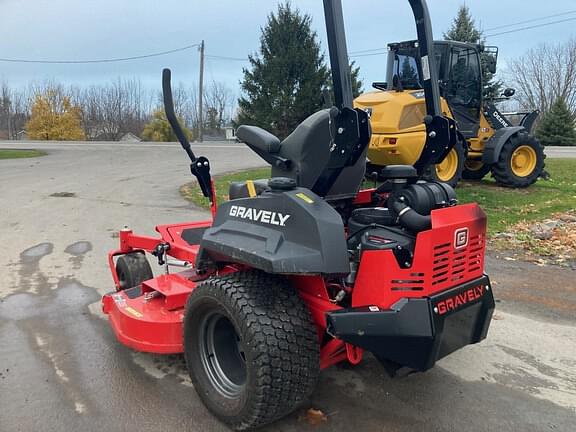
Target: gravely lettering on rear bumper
459	300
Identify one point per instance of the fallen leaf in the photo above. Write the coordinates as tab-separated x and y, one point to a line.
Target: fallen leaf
315	417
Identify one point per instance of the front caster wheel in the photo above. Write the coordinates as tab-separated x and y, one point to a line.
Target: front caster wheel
133	269
251	348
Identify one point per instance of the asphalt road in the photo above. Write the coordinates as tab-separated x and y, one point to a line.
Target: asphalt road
560	152
61	368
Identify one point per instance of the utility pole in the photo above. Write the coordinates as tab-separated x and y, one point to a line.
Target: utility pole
201	94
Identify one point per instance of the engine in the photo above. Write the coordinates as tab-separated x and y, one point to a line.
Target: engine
395	227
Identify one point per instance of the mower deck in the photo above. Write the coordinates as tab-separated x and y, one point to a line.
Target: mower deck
149	318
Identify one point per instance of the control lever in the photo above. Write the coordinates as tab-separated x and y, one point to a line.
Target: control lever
160	252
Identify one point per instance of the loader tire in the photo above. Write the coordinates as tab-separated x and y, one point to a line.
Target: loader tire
450	169
133	269
475	170
251	348
520	163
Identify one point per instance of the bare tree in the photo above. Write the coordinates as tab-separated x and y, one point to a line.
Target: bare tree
219	102
544	74
110	110
5	111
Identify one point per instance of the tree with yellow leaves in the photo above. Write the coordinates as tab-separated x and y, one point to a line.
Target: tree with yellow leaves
54	118
158	129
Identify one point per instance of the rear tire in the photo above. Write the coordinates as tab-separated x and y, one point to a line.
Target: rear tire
475	170
520	163
450	169
133	269
251	348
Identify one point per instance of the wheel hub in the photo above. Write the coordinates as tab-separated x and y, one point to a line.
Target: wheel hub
222	355
523	161
447	169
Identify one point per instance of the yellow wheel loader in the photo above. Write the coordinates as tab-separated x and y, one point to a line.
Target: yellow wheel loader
487	140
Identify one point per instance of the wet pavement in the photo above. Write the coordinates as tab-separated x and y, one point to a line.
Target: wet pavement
61	368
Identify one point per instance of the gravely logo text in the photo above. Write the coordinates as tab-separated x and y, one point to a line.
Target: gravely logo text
459	300
257	215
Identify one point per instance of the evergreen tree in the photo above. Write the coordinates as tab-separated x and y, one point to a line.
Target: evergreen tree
557	127
464	30
357	83
284	82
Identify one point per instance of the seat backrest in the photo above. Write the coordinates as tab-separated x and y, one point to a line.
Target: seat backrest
308	149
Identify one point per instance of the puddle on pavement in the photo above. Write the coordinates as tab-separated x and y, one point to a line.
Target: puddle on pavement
35	253
31	277
78	250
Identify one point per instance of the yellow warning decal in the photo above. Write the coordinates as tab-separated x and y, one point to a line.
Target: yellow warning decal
133	312
305	198
251	188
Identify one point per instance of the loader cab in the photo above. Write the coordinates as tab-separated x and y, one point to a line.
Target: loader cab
459	74
461	84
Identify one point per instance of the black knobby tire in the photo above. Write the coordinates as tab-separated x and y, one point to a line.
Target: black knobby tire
251	348
478	173
502	170
461	151
133	269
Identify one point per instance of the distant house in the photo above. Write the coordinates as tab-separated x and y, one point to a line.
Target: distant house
230	133
130	137
22	135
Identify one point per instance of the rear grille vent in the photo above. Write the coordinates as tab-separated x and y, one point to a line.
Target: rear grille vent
453	266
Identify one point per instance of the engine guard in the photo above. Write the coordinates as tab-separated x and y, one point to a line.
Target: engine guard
417	332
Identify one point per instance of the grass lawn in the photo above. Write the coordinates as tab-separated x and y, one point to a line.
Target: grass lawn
505	207
192	192
19	154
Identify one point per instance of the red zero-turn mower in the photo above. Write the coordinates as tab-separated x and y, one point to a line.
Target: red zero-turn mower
302	271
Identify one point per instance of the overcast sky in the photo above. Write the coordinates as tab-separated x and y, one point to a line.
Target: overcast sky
96	29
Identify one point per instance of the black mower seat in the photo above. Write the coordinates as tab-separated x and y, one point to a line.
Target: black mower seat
258	139
303	156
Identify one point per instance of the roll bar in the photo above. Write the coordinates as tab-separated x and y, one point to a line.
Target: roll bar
340	65
428	60
440	130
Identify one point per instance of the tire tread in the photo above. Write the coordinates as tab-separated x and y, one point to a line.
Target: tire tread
278	327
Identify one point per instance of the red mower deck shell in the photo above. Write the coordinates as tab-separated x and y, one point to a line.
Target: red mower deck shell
449	254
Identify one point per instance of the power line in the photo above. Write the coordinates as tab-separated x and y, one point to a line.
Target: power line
109	60
530	20
374	51
370	55
367	50
219	57
532	27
